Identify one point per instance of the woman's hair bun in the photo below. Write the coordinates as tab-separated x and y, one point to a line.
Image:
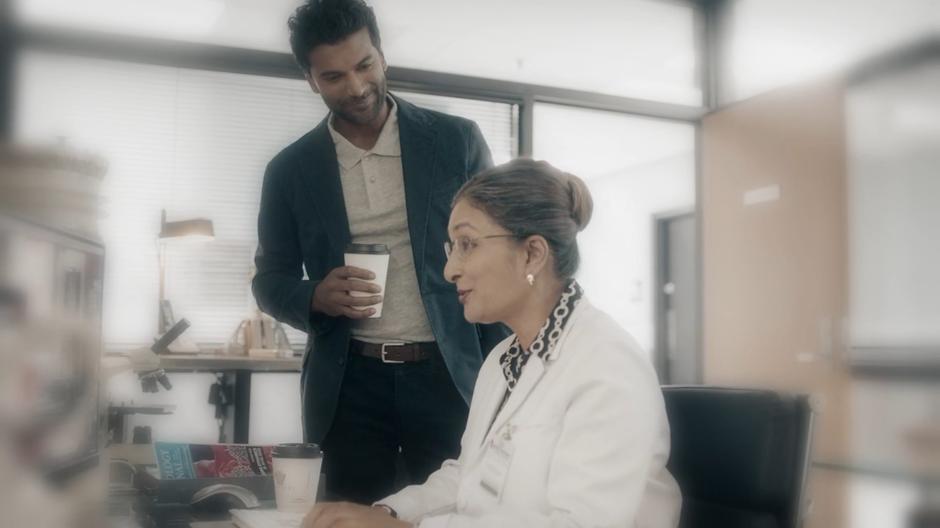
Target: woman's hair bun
582	205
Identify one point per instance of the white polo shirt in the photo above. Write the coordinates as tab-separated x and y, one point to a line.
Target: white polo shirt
374	192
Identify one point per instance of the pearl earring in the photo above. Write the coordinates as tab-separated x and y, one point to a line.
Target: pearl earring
531	279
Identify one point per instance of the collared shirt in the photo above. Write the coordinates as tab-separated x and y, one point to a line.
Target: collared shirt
515	357
374	192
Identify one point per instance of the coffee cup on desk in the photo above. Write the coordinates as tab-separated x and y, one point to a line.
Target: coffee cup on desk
296	476
373	257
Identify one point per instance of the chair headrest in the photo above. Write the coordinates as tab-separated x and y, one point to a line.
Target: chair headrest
738	447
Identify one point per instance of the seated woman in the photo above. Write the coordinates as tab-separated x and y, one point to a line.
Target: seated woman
567	425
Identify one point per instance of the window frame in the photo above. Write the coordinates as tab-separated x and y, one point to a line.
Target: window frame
708	16
212	57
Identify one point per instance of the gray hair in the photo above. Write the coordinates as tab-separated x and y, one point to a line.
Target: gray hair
529	197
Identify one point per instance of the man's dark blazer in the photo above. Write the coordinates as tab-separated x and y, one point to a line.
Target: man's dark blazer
302	224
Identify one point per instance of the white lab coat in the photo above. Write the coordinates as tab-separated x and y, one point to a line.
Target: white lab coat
582	441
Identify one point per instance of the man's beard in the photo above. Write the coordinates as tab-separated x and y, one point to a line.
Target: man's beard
345	109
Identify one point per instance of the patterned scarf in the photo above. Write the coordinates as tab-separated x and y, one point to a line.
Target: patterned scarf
515	357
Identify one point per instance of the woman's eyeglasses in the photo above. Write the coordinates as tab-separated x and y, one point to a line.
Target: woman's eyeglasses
462	247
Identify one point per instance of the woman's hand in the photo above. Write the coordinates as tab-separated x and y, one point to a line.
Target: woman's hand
349	515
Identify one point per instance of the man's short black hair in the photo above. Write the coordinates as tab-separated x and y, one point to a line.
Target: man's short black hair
328	22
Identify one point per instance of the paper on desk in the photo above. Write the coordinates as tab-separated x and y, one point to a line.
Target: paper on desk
266	519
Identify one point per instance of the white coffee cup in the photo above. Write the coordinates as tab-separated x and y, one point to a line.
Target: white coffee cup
373	257
296	476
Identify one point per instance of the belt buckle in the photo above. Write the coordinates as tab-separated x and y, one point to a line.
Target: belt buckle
385	352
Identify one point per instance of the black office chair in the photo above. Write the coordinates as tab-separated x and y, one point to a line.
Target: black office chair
740	456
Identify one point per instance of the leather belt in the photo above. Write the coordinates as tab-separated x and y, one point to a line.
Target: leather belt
394	352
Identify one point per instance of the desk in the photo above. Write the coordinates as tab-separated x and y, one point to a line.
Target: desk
238	369
214	362
169	503
926	477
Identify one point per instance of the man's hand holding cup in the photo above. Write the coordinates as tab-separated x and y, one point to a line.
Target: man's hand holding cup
351	290
333	296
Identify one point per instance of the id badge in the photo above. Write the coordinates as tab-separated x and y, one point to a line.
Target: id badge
495	464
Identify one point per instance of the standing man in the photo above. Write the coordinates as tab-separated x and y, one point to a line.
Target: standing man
377	170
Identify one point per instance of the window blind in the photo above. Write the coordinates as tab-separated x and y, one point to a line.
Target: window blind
196	144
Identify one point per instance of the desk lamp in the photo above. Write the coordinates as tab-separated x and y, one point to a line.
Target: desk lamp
191	230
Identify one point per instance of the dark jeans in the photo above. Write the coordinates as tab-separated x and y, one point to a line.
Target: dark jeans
391	417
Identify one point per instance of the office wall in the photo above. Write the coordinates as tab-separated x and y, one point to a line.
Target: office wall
617	260
774	259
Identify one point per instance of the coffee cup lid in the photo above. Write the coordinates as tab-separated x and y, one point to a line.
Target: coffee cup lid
368	249
296	451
